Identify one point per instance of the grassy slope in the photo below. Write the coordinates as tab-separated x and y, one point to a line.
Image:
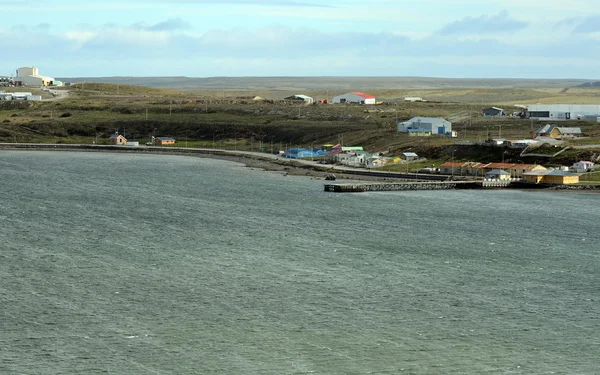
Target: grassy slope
201	117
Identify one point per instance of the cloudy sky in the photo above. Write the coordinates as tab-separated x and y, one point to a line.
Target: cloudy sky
203	38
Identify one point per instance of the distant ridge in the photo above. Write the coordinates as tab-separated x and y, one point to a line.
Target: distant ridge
590	85
328	83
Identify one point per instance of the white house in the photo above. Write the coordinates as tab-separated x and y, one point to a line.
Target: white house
354	97
582	166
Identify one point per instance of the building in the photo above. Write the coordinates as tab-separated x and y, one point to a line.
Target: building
30	76
413	99
515	170
498	174
354	97
551	176
351	148
375	162
582	166
561	112
117	139
304	98
434	125
409	156
522	143
299	153
557	132
492	112
19	96
451	168
474	169
164	141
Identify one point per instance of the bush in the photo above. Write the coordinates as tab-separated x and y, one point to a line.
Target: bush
66	114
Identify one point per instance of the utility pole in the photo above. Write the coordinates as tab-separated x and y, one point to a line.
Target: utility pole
146	114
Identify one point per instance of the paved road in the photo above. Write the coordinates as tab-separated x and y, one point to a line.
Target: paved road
328	167
583	147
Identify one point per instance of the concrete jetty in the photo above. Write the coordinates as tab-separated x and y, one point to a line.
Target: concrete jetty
413	185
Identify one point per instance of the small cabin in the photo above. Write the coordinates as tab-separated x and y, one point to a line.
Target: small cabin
164	141
117	139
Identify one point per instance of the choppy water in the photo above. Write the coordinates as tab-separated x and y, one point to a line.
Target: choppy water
145	264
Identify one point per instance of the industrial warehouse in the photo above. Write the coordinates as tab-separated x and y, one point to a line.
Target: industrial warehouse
19	96
426	126
29	76
563	112
354	97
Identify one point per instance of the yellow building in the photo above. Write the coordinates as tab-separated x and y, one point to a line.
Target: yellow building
551	176
498	174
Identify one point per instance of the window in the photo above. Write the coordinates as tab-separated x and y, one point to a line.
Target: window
539	114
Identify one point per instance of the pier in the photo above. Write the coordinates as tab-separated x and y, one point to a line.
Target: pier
413	185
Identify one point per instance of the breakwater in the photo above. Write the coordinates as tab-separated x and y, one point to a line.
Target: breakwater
416	185
401	186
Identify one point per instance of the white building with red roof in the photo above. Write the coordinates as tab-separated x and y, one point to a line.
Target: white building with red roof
354	97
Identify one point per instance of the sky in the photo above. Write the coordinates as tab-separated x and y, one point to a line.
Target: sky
207	38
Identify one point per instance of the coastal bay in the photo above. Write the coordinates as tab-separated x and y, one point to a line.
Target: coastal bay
137	263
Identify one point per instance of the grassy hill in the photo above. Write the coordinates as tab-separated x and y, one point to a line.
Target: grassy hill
231	119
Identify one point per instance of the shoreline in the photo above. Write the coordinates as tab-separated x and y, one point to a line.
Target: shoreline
268	162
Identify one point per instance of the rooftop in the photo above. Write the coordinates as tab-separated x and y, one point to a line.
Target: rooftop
366	96
497	172
550	172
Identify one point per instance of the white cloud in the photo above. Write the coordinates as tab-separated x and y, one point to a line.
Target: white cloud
80	36
485	24
284	50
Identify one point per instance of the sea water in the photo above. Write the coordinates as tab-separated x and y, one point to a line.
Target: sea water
147	264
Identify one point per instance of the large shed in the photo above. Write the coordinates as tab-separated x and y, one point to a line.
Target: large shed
492	112
433	125
354	97
562	112
299	97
